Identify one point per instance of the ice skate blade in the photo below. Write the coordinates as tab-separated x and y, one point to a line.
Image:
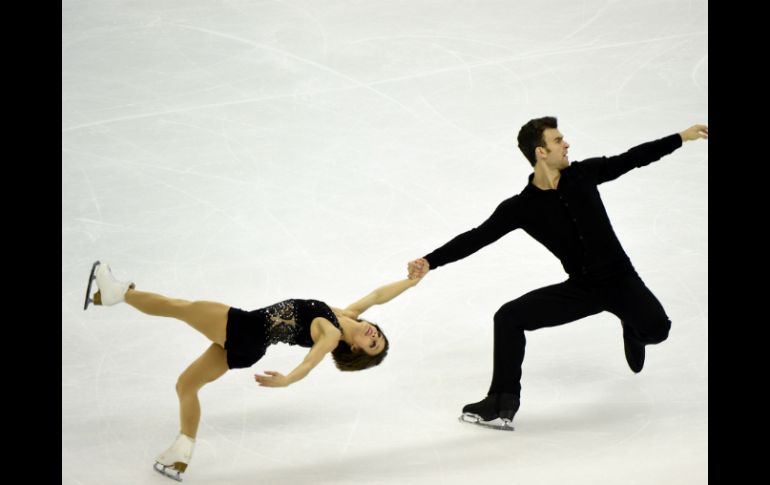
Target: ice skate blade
170	471
91	279
497	423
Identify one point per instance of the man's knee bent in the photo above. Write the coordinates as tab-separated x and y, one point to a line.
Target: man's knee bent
506	317
658	333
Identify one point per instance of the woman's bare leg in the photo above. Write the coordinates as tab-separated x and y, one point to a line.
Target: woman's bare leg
207	317
211	365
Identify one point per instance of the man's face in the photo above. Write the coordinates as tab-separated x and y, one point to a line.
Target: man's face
555	152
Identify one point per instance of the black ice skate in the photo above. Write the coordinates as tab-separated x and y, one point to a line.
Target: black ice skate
494	411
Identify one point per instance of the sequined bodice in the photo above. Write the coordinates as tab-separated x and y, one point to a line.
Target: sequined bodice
289	321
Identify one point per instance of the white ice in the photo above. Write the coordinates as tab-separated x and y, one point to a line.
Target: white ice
252	151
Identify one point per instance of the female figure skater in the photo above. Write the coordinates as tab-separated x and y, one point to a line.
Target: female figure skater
240	338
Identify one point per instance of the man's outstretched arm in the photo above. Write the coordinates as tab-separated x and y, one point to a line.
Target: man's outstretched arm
502	221
604	169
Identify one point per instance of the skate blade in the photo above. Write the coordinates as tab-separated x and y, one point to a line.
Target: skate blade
90	282
497	423
168	471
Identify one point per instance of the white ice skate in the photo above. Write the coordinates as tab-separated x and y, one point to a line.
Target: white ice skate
173	462
110	292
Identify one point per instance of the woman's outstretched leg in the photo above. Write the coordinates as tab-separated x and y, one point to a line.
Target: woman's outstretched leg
207	317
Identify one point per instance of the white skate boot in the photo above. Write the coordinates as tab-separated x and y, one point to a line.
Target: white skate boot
111	291
173	462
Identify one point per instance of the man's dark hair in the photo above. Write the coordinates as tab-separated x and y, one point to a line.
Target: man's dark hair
531	136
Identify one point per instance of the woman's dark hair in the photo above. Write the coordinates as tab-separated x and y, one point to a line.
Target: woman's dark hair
347	360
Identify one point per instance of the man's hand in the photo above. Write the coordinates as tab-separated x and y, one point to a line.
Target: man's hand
272	379
418	268
694	132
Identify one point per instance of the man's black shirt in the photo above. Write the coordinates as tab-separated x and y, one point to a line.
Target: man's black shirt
570	221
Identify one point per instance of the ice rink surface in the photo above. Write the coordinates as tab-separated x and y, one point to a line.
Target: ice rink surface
252	151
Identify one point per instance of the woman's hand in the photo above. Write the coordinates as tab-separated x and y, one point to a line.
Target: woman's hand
272	378
418	268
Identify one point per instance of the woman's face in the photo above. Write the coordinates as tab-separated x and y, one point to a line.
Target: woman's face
368	339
